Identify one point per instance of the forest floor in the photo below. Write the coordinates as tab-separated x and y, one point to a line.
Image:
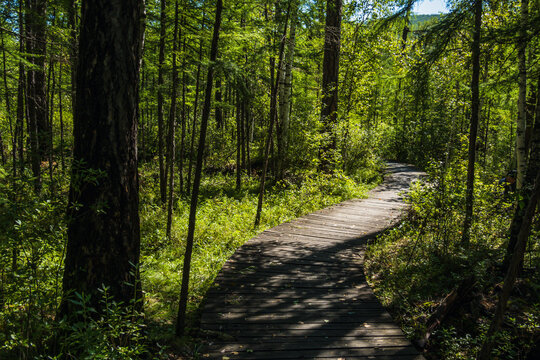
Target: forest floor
419	268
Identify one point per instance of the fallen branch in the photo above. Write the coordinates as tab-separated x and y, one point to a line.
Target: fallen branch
450	302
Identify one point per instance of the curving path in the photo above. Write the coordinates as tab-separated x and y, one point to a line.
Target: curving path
298	290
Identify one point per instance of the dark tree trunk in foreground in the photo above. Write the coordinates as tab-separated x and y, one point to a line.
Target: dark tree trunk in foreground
329	106
181	319
103	231
475	112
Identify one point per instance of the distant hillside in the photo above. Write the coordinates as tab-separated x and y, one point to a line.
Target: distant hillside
418	20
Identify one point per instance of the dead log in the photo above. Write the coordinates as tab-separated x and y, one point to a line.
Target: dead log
451	302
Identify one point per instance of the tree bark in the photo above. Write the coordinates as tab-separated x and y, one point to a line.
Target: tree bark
218	111
525	192
521	124
21	84
36	97
273	115
8	107
511	274
61	118
161	61
475	112
181	319
103	219
172	124
239	144
195	113
285	99
184	119
329	103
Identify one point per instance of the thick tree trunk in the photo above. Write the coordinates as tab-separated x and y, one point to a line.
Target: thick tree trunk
161	70
103	231
475	112
329	104
172	125
521	125
181	319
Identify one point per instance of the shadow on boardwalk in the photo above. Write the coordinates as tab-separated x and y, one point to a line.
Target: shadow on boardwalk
298	291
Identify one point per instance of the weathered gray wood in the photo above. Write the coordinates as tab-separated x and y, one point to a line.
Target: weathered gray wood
298	290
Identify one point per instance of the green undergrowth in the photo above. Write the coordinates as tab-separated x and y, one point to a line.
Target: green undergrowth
32	246
225	221
414	266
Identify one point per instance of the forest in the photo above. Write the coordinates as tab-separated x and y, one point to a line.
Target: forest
143	142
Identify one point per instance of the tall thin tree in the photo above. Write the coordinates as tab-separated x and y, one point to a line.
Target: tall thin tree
273	114
172	125
161	70
181	318
475	113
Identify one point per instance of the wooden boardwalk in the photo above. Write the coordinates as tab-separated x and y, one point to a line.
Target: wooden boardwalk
298	290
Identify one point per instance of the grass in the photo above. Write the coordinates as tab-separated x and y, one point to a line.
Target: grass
225	218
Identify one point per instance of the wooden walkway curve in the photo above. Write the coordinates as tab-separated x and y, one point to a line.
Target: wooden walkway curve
298	291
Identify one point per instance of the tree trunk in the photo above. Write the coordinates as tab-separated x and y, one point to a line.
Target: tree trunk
8	107
218	108
50	106
103	232
521	124
184	119
36	97
525	193
74	39
21	85
475	112
61	118
161	61
181	319
239	144
273	115
513	269
285	100
195	113
329	103
172	124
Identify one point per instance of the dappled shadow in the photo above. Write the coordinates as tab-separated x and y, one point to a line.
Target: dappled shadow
299	290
